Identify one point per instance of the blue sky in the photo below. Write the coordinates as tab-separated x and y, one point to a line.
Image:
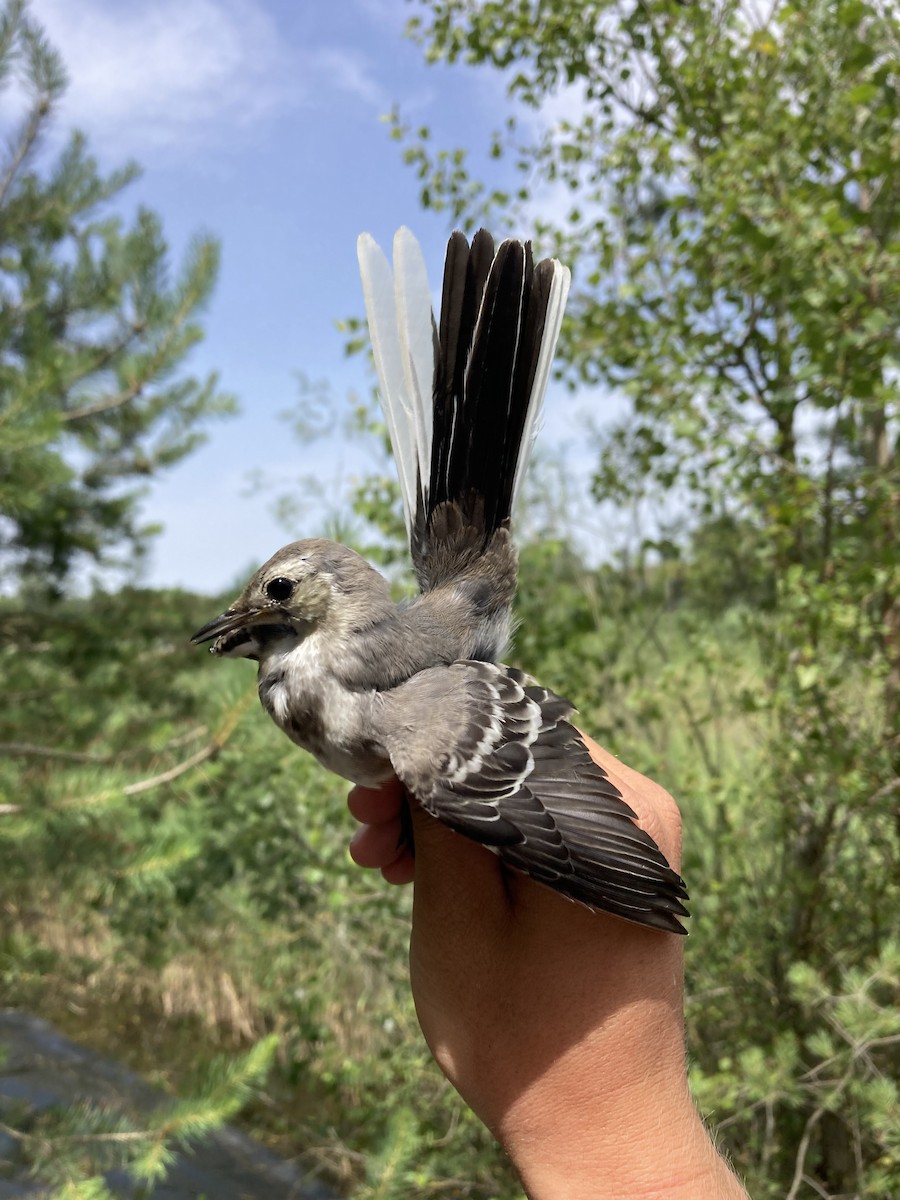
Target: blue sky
260	121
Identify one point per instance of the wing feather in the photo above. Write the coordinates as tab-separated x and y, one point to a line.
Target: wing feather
512	773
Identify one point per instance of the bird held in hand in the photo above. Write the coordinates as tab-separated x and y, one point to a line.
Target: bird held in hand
374	688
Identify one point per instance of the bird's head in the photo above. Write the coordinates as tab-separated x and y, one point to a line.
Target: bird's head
308	585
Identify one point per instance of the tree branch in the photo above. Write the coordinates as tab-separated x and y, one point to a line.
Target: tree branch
210	750
26	142
802	1149
91	410
30	750
145	785
130	393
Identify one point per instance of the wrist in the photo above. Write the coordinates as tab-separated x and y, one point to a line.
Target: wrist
612	1119
670	1157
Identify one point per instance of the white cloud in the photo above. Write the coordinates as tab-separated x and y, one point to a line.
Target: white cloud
349	72
172	75
165	73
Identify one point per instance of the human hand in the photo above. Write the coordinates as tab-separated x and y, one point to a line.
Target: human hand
562	1028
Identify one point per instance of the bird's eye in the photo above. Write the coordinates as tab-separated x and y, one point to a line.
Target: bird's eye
279	589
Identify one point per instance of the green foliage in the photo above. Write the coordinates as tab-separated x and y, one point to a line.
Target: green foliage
193	877
733	220
93	330
175	866
70	1150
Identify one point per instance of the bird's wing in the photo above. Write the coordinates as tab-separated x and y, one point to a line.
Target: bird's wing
398	308
492	755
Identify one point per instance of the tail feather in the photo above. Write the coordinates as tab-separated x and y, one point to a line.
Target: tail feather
500	321
462	402
465	274
415	322
384	332
478	426
552	281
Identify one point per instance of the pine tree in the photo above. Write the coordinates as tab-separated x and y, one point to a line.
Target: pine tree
94	331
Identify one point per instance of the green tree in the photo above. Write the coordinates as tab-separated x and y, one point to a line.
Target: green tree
94	330
734	225
99	721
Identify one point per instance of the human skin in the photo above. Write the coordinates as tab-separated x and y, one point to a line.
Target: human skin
561	1028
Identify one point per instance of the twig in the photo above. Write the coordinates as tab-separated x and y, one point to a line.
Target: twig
800	1161
892	786
29	749
145	785
91	410
210	750
26	141
155	362
125	1135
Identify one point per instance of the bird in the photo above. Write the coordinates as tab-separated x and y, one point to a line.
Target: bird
417	688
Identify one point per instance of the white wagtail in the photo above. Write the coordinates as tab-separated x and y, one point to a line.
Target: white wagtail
374	688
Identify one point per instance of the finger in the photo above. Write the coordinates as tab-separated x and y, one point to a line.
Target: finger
377	845
401	870
373	806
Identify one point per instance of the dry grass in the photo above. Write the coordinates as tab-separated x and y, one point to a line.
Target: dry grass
95	969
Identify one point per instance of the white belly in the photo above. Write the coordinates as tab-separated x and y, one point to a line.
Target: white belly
321	715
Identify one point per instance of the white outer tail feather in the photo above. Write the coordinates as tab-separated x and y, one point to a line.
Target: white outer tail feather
556	307
384	332
416	326
401	329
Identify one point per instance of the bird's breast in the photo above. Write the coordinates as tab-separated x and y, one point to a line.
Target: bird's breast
317	712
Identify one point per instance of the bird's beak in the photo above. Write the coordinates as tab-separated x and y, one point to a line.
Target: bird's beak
226	622
222	627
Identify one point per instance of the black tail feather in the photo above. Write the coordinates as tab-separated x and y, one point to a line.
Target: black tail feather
493	310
